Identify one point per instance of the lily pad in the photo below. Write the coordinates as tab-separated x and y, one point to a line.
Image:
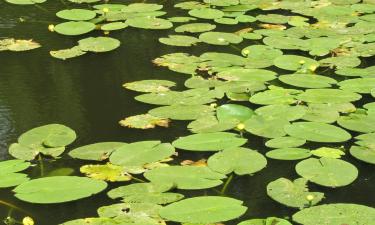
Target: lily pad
358	122
185	177
144	121
340	213
149	23
206	13
97	151
74	28
327	172
203	210
359	85
293	193
285	142
234	112
98	44
269	220
179	40
328	152
76	14
289	154
209	141
195	27
182	112
328	96
25	2
307	80
58	189
67	53
363	153
149	85
317	132
239	160
107	172
296	63
266	127
220	38
113	26
8	172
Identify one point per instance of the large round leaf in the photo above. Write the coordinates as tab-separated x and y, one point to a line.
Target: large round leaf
363	153
267	221
358	122
206	13
336	214
185	177
220	38
289	154
328	96
97	151
359	85
76	14
149	23
74	28
203	210
58	189
233	112
209	141
295	62
285	142
327	171
237	160
98	44
266	127
317	132
307	80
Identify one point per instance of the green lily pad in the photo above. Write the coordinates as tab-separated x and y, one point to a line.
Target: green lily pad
295	63
67	53
96	221
113	26
149	23
210	124
269	220
25	2
285	142
107	172
203	210
145	193
307	80
149	85
220	38
206	13
317	132
340	213
363	153
195	27
293	193
327	172
359	85
233	112
209	141
185	177
76	14
237	160
141	7
30	152
260	75
12	179
74	28
324	113
179	40
97	151
290	113
58	189
328	96
289	154
328	152
275	96
98	44
358	122
266	127
141	153
144	121
8	172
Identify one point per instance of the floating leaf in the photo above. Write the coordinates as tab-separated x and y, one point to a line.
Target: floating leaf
317	132
25	2
206	13
67	53
73	28
149	85
98	44
76	14
307	80
328	96
328	152
295	62
149	23
358	122
107	172
185	177
288	112
97	151
195	27
209	141
340	213
220	38
179	40
8	172
182	112
275	96
269	220
145	193
94	221
363	153
203	210
144	121
58	189
327	171
289	154
266	127
113	26
293	193
324	113
233	112
210	124
14	45
141	153
359	85
238	160
285	142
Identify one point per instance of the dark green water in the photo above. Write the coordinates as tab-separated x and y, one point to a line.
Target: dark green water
86	94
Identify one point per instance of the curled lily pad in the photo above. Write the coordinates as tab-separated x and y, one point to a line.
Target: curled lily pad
293	193
76	14
58	189
67	53
237	160
97	151
185	177
327	172
209	141
317	132
107	172
144	121
289	154
340	213
220	38
98	44
73	28
203	210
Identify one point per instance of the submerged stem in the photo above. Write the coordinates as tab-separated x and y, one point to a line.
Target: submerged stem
10	205
41	164
137	179
225	187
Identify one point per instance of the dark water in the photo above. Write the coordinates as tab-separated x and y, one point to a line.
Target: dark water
86	94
